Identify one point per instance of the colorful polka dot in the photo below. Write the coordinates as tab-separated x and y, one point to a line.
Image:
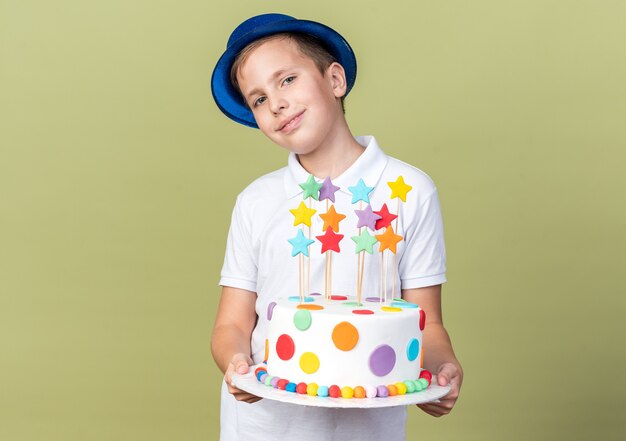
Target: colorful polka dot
372	299
335	297
390	309
382	360
359	392
302	319
422	319
309	363
297	299
363	312
311	389
426	374
352	304
401	388
301	388
382	391
310	306
285	347
410	387
345	336
270	310
418	386
413	349
404	305
347	392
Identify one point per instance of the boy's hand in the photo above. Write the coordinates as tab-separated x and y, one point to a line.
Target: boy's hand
447	373
240	364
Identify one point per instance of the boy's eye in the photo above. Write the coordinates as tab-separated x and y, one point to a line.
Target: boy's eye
260	100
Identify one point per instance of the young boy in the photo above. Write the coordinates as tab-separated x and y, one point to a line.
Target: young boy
289	77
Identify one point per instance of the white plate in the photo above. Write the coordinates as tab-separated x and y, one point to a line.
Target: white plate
249	383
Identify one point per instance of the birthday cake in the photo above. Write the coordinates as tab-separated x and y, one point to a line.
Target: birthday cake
338	346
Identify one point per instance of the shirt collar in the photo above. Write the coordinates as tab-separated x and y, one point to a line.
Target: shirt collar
369	166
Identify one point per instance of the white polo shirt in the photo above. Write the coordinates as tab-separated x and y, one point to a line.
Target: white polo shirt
258	259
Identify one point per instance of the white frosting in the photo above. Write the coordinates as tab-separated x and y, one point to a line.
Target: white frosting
336	366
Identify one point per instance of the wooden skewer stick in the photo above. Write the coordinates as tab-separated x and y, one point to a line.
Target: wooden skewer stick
308	273
330	274
382	261
326	278
386	275
358	263
358	282
393	282
301	270
328	267
358	267
358	293
361	282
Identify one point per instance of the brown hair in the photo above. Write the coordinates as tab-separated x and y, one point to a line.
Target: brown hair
308	45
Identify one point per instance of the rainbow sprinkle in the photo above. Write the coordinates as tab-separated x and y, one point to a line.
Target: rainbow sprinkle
312	389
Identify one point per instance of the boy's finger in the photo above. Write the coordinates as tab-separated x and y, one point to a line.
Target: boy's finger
443	379
431	410
241	363
445	374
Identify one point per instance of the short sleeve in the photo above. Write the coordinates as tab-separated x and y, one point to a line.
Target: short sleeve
240	268
423	262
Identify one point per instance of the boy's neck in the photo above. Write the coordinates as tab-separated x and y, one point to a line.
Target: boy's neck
334	156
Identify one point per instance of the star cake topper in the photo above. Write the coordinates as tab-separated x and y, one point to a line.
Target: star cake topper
332	218
311	188
330	240
367	218
328	190
300	244
302	214
360	192
388	240
364	242
399	188
385	217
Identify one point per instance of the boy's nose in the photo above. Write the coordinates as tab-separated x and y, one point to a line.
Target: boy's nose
277	104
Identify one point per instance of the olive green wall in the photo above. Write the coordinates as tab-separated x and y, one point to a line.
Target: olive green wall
118	174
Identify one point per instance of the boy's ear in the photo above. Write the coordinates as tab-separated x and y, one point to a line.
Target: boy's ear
337	77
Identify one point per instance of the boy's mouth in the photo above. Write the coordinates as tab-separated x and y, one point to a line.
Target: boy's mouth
290	123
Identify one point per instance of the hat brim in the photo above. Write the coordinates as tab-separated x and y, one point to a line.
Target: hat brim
230	102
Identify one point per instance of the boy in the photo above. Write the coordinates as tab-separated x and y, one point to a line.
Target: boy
289	78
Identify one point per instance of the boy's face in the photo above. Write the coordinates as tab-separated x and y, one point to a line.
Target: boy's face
281	85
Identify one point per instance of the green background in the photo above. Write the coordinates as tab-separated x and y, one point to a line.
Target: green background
118	175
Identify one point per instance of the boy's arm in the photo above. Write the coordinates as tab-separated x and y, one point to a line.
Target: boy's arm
439	356
230	341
